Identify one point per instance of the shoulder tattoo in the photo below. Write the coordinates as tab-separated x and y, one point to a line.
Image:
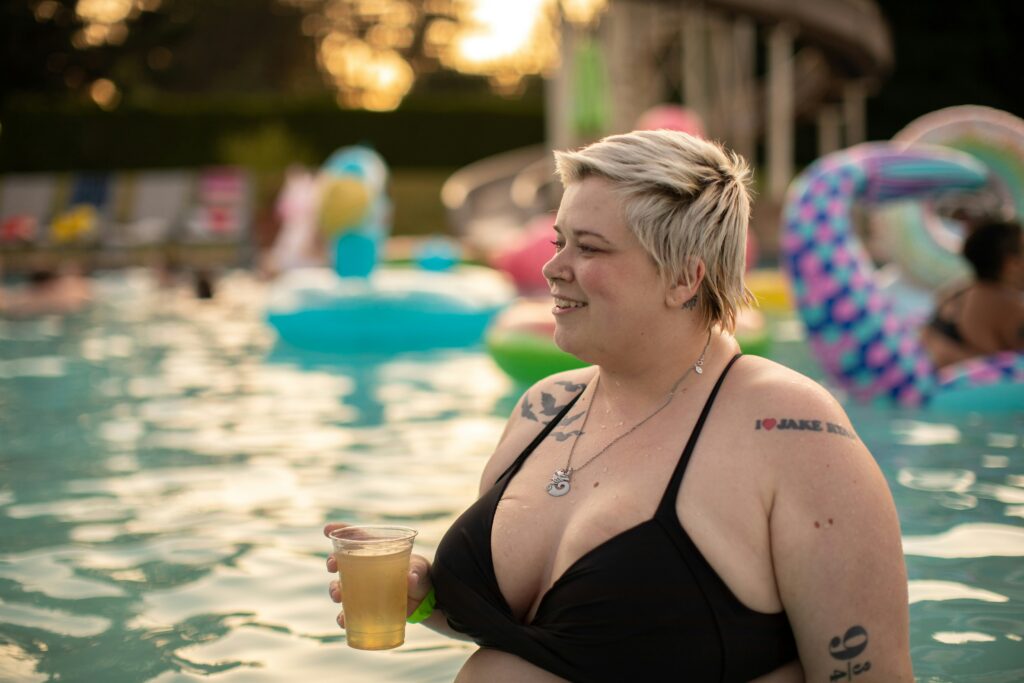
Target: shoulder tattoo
768	424
541	406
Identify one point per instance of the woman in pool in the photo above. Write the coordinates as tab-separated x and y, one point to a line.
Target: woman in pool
988	315
609	542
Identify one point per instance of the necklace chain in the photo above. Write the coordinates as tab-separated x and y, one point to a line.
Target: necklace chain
561	480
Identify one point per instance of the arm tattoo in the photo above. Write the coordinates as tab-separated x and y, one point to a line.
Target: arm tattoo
770	423
844	650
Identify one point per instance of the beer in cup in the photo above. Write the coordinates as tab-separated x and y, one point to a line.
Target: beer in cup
373	564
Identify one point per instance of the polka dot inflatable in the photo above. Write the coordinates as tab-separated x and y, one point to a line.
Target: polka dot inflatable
852	324
926	244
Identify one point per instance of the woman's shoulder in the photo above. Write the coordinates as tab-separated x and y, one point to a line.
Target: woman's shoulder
543	401
536	408
788	417
764	382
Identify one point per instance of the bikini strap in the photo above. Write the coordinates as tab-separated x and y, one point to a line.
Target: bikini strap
514	467
668	501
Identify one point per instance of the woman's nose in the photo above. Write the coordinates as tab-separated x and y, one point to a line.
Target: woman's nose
557	268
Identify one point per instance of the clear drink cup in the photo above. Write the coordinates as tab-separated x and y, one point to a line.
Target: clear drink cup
373	564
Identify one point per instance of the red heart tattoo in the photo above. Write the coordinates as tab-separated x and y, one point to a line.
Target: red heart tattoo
769	422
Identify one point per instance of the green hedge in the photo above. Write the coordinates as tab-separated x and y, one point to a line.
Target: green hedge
262	133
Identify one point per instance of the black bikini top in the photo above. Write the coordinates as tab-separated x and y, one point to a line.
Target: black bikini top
947	327
644	605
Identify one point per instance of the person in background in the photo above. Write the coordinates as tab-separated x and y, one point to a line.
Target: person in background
676	511
203	283
987	316
48	290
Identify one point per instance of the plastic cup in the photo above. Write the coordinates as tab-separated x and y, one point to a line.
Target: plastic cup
373	564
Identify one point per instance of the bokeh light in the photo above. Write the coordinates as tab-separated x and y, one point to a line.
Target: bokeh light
105	93
367	48
106	21
370	51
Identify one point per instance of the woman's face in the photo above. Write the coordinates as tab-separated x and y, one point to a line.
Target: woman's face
607	289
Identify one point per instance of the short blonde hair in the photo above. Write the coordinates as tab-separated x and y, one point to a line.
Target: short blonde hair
685	199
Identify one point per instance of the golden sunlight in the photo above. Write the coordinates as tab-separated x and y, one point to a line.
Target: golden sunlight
365	45
106	21
105	94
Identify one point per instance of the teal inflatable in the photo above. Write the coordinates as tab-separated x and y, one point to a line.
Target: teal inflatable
356	307
395	309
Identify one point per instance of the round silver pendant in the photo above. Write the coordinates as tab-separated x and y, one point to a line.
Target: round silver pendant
560	485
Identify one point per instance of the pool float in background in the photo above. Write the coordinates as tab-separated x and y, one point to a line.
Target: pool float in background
521	340
357	307
923	242
395	309
770	287
525	255
297	208
852	324
672	117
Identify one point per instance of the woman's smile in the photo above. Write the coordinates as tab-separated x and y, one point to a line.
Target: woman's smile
565	305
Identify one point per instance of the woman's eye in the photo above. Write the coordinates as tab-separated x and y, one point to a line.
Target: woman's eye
587	249
558	245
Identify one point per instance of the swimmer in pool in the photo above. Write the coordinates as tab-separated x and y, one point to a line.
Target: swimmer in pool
987	316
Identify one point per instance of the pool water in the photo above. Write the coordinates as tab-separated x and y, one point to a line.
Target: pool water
165	471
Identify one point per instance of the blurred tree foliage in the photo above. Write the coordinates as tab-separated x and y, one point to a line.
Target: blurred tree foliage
187	46
209	58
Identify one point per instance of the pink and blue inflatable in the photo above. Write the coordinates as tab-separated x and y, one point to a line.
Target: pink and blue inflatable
853	326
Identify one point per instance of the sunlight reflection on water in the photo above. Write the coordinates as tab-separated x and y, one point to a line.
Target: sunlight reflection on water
166	471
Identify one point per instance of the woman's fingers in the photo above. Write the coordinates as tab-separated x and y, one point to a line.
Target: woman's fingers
334	588
419	581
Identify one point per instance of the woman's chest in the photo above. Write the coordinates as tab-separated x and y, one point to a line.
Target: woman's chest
536	537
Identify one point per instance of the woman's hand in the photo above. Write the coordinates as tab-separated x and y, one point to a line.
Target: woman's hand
418	580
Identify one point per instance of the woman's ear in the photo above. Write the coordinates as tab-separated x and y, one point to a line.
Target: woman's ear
683	295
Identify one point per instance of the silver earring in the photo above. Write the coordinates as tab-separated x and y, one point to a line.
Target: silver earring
690	303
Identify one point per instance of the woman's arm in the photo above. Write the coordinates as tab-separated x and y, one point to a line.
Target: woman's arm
535	408
836	548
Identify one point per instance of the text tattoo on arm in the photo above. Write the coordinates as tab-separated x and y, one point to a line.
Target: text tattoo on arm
787	423
845	650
